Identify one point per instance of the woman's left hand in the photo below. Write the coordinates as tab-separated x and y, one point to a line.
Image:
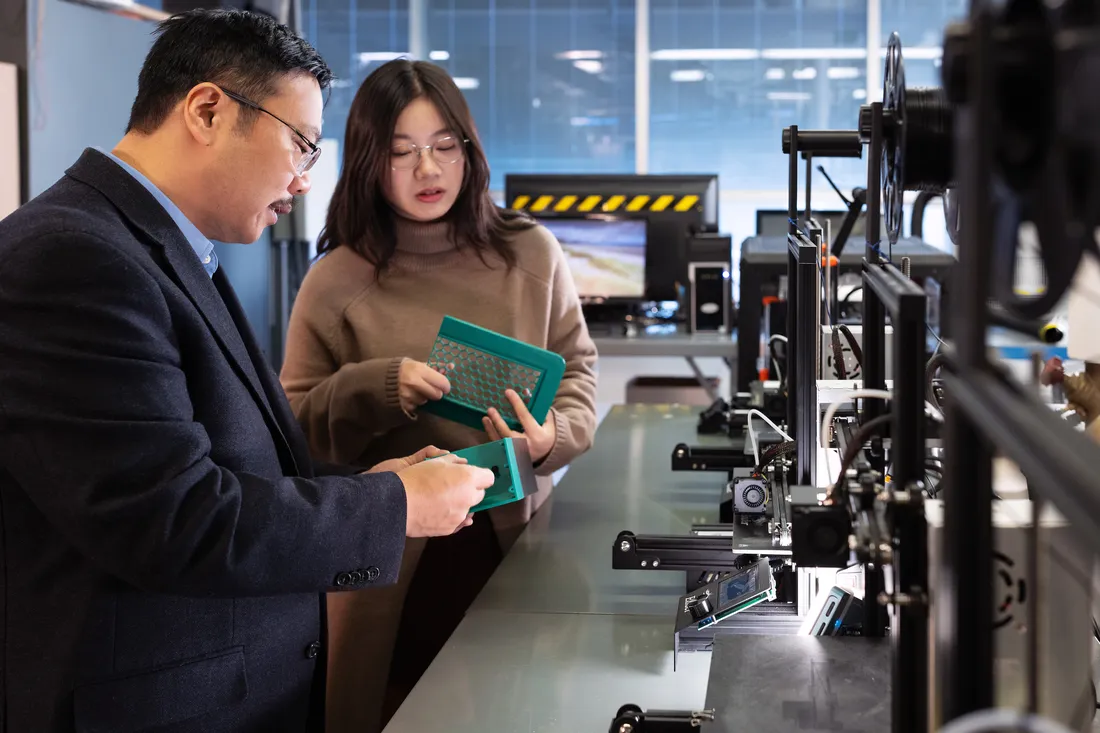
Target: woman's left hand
540	438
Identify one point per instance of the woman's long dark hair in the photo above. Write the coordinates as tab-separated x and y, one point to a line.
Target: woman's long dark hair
360	217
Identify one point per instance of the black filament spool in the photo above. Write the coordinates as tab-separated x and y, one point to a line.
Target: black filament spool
928	140
918	139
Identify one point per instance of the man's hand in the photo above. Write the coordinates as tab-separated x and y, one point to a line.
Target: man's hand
1053	372
540	438
440	494
417	383
396	465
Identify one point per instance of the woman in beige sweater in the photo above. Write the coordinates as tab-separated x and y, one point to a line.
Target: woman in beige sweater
412	235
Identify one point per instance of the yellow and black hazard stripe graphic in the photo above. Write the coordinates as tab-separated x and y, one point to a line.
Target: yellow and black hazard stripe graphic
595	203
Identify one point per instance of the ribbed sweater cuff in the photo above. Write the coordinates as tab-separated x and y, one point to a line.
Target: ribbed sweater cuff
391	395
555	458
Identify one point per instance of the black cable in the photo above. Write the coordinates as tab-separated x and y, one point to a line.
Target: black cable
916	219
838	356
853	344
938	360
828	310
861	436
775	358
933	489
772	453
849	294
937	336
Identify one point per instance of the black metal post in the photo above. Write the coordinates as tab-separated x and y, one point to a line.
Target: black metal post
964	624
910	626
874	318
874	625
905	303
809	182
806	333
792	292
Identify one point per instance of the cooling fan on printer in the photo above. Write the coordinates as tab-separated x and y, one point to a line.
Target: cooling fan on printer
1010	591
749	494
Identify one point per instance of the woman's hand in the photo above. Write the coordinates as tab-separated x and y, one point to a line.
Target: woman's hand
540	438
417	383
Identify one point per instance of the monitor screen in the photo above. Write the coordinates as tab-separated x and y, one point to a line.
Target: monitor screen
774	222
605	255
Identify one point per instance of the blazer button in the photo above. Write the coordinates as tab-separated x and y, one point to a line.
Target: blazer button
372	573
343	579
357	576
313	650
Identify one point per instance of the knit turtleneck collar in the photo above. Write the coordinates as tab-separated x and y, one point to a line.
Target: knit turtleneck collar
423	238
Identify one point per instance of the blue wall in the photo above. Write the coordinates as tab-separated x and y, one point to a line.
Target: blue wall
82	77
249	269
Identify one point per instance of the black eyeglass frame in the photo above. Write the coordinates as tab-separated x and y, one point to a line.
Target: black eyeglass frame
314	150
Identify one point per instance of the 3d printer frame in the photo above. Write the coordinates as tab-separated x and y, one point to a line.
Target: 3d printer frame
886	291
986	410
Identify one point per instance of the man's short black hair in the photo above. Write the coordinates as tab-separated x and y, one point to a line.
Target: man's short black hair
246	53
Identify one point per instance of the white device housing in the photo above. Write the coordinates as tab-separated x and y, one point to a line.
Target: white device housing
828	368
1063	594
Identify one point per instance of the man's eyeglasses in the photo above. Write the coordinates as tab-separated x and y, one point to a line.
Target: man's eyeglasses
309	156
406	156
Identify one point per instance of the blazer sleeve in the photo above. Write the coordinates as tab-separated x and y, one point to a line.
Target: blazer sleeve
97	418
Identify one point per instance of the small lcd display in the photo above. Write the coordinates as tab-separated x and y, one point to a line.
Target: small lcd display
733	588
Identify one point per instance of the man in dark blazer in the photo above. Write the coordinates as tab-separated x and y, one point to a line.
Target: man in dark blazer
165	537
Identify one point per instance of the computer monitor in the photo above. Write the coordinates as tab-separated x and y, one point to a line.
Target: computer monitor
676	207
606	255
773	222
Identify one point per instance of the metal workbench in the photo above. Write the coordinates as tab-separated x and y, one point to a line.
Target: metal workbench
678	343
557	640
687	345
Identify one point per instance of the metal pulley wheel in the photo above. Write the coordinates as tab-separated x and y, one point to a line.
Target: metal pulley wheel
893	153
917	145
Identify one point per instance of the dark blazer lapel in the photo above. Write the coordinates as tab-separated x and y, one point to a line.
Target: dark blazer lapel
145	212
277	401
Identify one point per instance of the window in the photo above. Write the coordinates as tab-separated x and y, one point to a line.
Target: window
354	36
727	76
550	83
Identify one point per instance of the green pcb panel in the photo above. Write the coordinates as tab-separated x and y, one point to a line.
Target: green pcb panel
510	461
480	364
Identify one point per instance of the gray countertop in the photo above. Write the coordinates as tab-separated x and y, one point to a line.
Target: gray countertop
805	683
558	640
550	673
562	562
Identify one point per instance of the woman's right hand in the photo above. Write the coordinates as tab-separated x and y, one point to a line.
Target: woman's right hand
417	383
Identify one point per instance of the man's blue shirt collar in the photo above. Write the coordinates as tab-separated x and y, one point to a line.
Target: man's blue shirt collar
203	247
